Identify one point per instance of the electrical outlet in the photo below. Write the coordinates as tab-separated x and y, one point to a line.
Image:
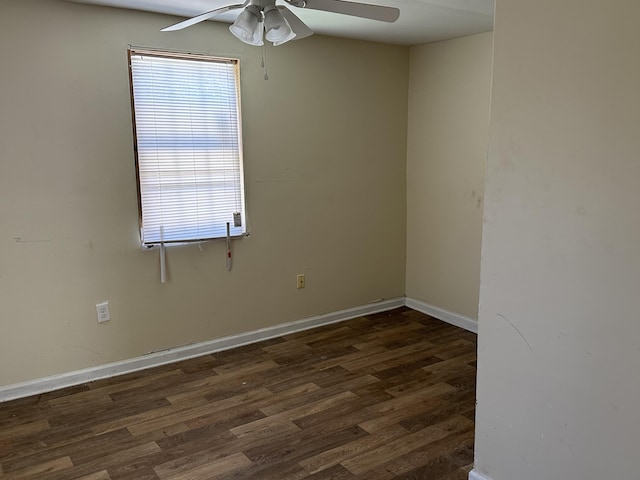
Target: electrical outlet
300	280
102	311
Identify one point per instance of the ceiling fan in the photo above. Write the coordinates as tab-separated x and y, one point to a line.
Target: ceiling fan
263	19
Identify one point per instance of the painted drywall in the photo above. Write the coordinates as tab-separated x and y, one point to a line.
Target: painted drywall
559	336
324	151
449	88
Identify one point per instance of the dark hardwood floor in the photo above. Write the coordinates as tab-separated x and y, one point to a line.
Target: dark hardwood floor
380	397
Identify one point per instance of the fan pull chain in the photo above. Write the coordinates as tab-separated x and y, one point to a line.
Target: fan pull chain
263	64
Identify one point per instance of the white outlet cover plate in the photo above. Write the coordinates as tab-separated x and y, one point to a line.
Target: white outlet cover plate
102	312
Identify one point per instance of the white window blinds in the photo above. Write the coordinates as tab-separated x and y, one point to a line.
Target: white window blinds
188	147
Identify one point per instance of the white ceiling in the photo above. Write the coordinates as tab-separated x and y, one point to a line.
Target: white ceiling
421	21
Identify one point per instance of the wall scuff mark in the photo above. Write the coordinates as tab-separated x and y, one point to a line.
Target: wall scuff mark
516	329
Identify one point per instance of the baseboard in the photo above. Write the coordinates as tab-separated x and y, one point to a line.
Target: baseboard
449	317
474	475
155	359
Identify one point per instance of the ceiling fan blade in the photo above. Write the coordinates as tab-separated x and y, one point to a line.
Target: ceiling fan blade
298	26
363	10
202	17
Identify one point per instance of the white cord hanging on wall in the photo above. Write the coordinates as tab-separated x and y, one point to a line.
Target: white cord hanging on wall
228	255
163	269
228	247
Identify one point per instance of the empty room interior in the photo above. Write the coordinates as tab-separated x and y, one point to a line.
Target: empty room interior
435	269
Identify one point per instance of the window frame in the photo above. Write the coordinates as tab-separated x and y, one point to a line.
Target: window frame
168	54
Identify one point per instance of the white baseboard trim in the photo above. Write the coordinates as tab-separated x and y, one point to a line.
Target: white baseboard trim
474	475
155	359
449	317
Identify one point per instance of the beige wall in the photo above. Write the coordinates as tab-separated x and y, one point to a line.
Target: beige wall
449	85
559	340
325	149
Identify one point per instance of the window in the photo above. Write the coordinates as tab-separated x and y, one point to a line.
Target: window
186	117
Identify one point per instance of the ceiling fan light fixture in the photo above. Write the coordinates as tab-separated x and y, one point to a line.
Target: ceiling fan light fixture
276	26
260	18
248	26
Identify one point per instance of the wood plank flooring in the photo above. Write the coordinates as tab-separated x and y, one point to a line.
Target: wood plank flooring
380	397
